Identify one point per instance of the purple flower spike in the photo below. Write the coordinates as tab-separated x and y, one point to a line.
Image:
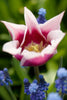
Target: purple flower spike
5	78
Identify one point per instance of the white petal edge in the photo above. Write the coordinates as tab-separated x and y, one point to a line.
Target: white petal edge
52	24
14	29
12	47
50	49
30	19
55	35
31	22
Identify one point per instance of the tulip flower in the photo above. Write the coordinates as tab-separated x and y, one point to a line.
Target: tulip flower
34	44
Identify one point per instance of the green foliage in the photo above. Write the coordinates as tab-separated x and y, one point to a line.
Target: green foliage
4	94
13	11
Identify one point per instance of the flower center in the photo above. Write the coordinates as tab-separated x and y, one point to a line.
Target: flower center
36	47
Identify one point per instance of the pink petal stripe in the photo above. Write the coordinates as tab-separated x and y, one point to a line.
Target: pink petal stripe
52	24
38	61
30	20
33	32
34	37
16	31
12	48
34	59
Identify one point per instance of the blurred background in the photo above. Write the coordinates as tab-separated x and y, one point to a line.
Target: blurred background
13	11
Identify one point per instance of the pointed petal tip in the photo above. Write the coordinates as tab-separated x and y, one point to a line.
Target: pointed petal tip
25	10
2	21
62	13
30	19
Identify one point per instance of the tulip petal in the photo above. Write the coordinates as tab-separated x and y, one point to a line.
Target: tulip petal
30	20
37	59
13	48
52	24
16	31
33	32
55	35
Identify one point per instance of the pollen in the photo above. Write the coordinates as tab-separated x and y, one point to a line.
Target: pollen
35	47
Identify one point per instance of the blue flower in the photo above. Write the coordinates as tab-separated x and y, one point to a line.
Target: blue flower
62	72
43	84
61	82
35	81
1	78
42	12
41	18
36	90
33	87
5	78
26	86
61	85
54	96
39	95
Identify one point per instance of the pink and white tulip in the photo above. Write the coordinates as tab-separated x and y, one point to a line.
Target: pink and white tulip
34	44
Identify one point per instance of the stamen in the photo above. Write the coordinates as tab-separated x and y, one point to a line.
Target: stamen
35	47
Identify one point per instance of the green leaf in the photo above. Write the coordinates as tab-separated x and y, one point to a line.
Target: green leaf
22	92
4	93
52	88
21	72
51	73
4	11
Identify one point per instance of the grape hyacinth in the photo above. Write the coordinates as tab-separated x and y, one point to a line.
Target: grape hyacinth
33	87
43	85
54	96
5	78
38	95
26	86
61	82
41	18
36	90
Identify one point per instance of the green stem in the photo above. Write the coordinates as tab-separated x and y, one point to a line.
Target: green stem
46	94
36	71
10	92
62	96
61	62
